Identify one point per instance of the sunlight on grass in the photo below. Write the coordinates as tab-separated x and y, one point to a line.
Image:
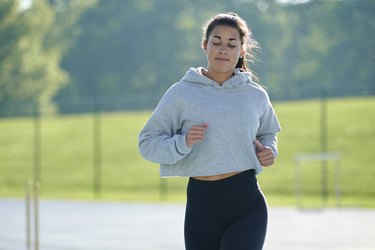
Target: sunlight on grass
67	155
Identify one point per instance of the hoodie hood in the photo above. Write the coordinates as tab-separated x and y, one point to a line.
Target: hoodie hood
239	79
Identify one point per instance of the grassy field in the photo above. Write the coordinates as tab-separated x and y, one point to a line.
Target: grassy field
67	158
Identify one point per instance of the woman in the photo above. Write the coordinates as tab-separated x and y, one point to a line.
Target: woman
219	128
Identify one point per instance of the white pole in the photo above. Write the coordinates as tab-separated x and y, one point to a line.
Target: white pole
28	223
36	214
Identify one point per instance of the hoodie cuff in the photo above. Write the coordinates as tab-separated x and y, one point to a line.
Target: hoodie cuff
181	146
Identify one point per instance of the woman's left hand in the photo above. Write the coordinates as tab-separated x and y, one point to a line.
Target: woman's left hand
264	154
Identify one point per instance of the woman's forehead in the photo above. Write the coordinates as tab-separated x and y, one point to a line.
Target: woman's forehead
225	32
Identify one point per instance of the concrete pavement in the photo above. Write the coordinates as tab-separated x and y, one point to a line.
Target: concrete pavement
72	225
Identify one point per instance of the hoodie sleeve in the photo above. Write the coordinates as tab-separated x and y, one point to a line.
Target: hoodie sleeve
269	126
160	140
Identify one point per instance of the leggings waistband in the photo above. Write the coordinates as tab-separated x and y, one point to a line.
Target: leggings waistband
222	192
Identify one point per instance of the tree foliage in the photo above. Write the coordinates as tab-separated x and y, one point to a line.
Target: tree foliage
71	50
130	47
32	47
322	45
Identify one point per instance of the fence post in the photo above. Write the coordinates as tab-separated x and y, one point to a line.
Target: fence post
32	196
323	143
97	150
28	217
36	215
37	143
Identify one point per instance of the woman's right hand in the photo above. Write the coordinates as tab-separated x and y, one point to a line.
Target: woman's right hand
196	134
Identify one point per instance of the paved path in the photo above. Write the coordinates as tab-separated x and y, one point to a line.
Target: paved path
128	226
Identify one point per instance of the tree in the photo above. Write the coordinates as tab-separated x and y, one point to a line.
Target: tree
34	41
128	48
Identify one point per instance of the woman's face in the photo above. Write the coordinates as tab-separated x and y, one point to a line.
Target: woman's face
223	49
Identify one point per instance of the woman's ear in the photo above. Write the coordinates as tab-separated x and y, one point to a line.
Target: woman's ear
204	46
242	52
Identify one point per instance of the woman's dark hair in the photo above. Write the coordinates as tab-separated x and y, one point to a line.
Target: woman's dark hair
248	43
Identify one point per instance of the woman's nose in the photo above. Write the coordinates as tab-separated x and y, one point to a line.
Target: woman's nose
223	50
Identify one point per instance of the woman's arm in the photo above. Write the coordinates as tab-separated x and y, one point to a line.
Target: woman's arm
266	139
160	140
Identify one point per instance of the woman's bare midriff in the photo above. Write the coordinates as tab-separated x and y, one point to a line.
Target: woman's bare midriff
216	177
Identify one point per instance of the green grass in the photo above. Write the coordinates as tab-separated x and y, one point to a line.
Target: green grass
67	157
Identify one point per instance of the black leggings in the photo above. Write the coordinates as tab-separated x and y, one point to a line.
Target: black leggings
228	214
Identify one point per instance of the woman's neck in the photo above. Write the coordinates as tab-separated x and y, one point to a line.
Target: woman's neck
218	77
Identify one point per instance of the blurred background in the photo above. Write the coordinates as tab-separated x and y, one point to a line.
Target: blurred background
79	79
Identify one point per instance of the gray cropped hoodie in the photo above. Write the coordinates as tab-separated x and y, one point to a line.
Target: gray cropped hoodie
237	112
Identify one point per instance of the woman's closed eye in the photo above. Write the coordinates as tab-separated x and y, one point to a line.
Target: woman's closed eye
229	45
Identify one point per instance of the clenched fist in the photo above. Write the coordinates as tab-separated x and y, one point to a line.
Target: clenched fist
196	134
264	154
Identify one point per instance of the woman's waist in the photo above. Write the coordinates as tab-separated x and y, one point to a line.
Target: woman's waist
219	171
229	189
216	177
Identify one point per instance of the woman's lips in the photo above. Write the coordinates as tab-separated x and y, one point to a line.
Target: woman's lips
221	59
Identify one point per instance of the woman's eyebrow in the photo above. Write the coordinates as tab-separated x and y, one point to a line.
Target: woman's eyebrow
230	39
